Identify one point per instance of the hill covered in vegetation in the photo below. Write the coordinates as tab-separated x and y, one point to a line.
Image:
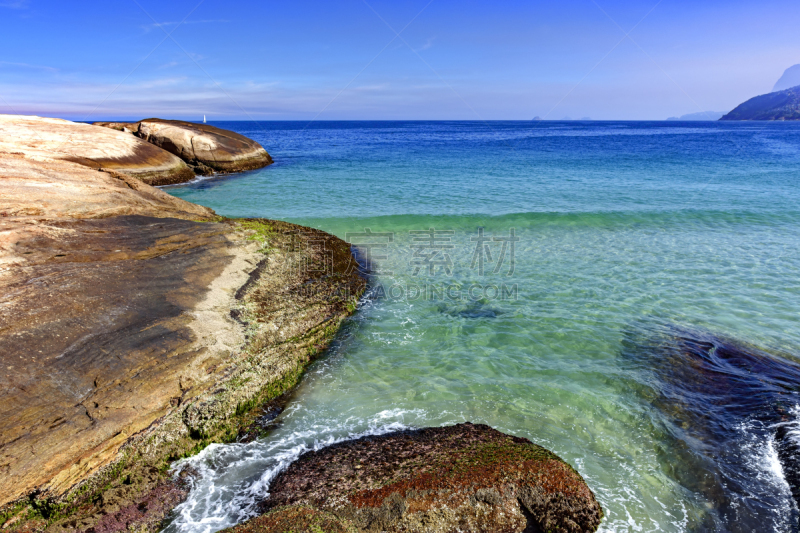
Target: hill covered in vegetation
780	105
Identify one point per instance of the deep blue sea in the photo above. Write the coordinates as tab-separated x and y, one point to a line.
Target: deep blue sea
524	275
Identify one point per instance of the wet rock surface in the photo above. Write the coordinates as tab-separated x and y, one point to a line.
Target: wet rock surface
468	478
205	148
298	519
145	513
90	146
729	406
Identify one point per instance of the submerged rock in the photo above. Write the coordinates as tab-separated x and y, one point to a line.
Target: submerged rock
90	146
474	309
204	147
468	478
730	407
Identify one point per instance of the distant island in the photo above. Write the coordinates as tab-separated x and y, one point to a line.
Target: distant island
780	105
700	115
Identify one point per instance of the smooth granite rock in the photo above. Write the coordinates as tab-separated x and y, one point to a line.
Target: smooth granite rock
136	328
127	127
204	147
91	146
465	478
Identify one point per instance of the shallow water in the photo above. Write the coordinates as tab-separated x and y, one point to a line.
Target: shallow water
620	226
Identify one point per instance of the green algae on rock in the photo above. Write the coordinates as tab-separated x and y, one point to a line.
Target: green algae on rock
297	519
468	478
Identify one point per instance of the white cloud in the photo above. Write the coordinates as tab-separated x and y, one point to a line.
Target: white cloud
14	4
428	44
28	65
184	23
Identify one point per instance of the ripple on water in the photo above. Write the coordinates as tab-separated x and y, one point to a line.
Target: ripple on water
619	224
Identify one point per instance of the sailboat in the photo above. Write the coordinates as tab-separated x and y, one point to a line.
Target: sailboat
204	119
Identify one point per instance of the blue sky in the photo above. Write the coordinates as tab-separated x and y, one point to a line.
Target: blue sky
305	60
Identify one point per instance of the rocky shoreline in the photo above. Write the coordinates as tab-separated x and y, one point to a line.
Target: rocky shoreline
137	328
207	381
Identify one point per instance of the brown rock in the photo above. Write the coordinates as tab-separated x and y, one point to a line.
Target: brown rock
202	145
91	146
116	335
36	186
299	519
466	478
118	343
127	127
94	338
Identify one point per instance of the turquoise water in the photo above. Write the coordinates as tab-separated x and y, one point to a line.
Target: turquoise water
619	225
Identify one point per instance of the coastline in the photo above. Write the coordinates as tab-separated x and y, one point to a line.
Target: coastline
147	327
138	328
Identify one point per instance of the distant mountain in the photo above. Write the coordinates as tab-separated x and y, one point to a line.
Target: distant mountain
790	78
702	115
781	105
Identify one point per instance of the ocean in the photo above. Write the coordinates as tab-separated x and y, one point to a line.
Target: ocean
529	275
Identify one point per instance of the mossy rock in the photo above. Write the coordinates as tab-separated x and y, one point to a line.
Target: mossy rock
295	519
467	478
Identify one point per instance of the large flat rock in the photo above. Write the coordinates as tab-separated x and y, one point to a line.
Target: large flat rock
91	146
96	334
36	186
96	269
